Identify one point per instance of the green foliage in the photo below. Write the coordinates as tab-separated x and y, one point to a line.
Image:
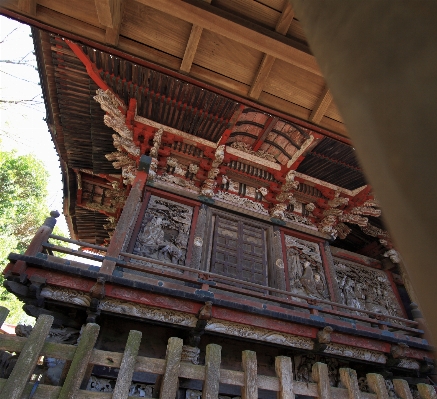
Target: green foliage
23	209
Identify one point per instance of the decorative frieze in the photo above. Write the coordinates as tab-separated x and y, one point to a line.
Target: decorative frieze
365	288
259	334
242	202
356	353
66	295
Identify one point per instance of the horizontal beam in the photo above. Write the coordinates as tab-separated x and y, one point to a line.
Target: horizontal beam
237	29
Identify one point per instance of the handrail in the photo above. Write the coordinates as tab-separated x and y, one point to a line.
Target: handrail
204	275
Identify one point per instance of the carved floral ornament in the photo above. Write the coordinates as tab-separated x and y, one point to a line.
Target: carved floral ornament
331	216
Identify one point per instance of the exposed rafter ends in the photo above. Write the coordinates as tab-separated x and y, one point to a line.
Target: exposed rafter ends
190	50
223	23
110	14
27	7
321	106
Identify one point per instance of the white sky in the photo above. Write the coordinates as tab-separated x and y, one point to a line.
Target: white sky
21	125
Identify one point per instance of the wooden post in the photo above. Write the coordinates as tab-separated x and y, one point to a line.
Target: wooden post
3	314
402	389
80	361
35	246
377	385
212	371
250	368
426	391
349	379
285	374
135	196
321	377
15	384
170	379
124	378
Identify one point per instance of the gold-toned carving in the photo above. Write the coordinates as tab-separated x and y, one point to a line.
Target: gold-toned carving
66	295
240	201
147	312
259	334
244	147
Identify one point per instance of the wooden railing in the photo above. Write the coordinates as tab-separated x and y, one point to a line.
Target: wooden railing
208	280
79	358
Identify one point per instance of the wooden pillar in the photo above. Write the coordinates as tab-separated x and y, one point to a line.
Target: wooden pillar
126	218
212	371
377	385
250	368
285	374
349	379
384	86
170	380
321	377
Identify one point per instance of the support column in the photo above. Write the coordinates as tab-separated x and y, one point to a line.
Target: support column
380	63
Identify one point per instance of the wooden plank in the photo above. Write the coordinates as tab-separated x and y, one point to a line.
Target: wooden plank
212	372
80	361
402	389
285	374
250	368
112	33
104	10
321	106
170	380
190	50
377	384
26	362
124	378
222	23
349	379
426	391
321	377
27	7
270	124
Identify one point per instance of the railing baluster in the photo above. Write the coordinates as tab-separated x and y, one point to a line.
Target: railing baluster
124	378
28	358
80	361
170	379
285	374
377	384
250	368
212	371
349	379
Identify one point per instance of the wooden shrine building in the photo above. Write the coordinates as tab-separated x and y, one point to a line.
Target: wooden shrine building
208	172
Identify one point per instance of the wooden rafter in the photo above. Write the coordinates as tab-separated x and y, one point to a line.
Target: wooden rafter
190	50
321	106
263	72
235	28
270	124
110	14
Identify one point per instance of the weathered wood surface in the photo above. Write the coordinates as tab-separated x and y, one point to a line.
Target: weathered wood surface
171	369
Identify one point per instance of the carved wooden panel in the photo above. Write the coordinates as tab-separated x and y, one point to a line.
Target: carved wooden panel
239	250
164	231
305	269
366	288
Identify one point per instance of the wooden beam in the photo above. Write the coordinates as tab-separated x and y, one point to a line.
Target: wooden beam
110	14
282	26
270	124
321	106
239	30
190	50
27	7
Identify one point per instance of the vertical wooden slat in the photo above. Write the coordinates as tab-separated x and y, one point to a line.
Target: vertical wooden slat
349	379
80	361
321	377
426	391
377	384
3	314
26	362
402	389
124	378
212	371
285	374
250	368
170	379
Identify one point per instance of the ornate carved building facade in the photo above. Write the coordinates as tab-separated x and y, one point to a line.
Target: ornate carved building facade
215	219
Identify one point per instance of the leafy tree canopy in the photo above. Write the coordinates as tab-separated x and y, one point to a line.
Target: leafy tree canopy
23	209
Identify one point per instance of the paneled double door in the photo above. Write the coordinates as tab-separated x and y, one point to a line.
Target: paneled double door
239	249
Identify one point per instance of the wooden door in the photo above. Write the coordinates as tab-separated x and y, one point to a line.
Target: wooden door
239	249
